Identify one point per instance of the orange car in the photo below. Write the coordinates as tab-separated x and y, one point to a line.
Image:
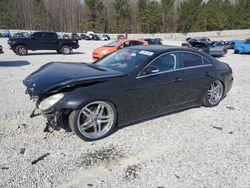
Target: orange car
114	46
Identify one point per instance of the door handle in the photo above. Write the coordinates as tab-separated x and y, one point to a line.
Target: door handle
179	79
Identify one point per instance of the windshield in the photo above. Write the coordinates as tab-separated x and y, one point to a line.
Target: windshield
125	60
112	44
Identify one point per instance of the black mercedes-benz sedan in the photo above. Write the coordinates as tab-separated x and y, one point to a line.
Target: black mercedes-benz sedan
127	86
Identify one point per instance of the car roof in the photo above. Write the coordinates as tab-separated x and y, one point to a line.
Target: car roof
158	49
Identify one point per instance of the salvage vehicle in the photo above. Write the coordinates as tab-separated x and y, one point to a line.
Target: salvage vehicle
1	49
114	46
94	37
242	47
130	85
85	37
105	37
199	39
153	41
42	41
216	49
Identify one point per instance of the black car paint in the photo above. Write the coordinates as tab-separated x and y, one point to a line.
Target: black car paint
33	43
135	98
1	49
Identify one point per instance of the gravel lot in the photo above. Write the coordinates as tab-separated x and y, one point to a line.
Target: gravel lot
200	147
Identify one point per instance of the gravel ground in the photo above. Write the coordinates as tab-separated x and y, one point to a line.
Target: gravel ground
200	147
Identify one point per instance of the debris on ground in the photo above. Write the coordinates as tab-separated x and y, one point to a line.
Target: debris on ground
132	172
40	158
218	128
105	154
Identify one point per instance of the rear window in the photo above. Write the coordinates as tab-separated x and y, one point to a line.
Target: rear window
191	59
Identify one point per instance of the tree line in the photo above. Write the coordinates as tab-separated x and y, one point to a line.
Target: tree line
125	16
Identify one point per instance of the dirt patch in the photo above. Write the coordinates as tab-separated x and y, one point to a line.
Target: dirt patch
104	155
132	172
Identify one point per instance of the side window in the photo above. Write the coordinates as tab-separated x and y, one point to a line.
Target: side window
48	36
37	35
166	62
191	60
126	44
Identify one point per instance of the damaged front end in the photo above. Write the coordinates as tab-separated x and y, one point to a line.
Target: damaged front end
44	106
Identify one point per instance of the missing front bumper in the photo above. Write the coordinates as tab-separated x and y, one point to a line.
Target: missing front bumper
54	119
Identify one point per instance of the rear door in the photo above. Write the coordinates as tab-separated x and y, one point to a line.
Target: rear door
50	41
197	74
156	91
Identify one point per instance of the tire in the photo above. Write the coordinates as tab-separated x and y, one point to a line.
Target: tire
99	118
236	51
214	94
66	49
59	51
21	50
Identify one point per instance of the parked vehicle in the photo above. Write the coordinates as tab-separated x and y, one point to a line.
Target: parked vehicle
130	85
119	37
153	41
90	33
199	39
75	36
6	35
1	49
42	41
242	47
85	37
215	48
105	37
94	37
114	46
230	44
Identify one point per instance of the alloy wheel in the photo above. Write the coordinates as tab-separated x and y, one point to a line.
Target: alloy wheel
215	93
95	119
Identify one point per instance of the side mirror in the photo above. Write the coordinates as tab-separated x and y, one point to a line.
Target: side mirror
151	70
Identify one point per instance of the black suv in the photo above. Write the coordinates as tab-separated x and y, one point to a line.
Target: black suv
42	41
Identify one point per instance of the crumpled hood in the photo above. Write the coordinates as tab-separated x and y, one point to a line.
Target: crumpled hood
56	75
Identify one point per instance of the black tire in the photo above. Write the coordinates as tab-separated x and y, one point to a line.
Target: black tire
236	51
21	50
66	49
73	122
207	100
59	51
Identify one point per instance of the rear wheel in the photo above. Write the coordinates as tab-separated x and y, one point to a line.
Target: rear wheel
94	121
21	50
66	49
214	94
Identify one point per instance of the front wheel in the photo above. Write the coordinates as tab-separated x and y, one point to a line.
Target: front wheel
21	50
66	50
94	121
214	94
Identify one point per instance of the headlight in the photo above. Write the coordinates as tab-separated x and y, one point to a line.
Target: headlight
50	101
104	52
